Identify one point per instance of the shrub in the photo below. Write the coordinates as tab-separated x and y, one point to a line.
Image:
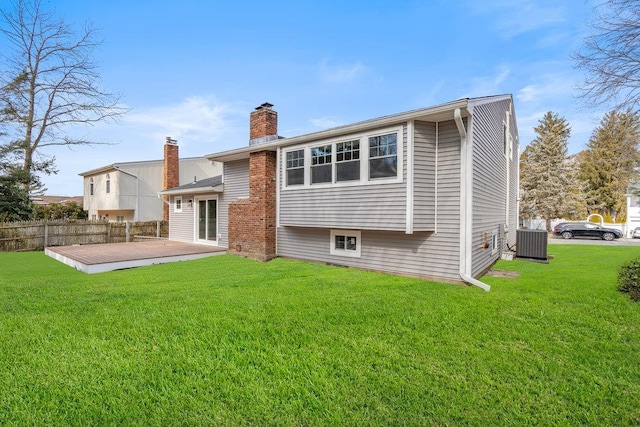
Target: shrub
629	279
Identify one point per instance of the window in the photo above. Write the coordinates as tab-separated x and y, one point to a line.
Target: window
94	217
345	243
383	156
91	187
177	206
108	189
119	218
494	243
348	161
295	167
321	164
358	159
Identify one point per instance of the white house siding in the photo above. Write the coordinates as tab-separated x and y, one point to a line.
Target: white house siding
372	206
236	186
489	182
141	181
426	254
181	227
424	176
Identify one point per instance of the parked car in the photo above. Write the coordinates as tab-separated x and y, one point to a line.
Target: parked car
636	233
569	230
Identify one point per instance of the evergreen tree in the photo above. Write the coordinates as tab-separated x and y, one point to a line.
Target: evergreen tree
609	162
15	204
548	188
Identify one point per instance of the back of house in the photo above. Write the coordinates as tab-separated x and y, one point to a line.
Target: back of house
430	193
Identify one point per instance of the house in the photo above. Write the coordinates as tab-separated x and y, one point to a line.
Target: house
633	210
128	191
48	200
430	193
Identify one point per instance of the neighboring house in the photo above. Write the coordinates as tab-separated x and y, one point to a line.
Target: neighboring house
129	191
430	193
633	210
47	200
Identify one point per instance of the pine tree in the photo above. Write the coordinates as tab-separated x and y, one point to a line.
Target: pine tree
548	185
609	162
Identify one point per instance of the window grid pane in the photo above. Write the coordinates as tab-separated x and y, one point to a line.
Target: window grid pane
383	156
295	167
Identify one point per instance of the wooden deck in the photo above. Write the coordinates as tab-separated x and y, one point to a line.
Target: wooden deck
116	256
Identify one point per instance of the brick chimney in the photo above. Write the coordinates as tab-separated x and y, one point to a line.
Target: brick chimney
171	171
263	124
252	221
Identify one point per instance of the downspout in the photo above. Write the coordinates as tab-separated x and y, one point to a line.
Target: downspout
278	154
507	156
410	178
466	205
435	216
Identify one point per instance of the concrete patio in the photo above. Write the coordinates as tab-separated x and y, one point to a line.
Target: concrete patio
116	256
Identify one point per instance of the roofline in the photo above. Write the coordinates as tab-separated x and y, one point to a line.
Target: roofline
463	104
119	165
198	190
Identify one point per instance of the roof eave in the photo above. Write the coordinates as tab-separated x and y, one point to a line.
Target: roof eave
197	190
243	153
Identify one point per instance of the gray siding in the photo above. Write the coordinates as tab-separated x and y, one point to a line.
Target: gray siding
374	206
236	185
425	254
181	223
424	176
489	182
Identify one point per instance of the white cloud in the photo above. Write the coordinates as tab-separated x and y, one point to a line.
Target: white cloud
343	73
514	17
492	84
325	122
195	118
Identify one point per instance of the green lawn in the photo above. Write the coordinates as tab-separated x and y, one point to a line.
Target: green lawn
229	341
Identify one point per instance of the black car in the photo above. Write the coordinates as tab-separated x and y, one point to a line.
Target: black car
569	230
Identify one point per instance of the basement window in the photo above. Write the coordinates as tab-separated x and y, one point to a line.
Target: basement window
345	243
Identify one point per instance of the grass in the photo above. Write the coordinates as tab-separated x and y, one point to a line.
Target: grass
229	341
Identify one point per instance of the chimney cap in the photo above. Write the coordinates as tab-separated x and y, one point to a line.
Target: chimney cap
171	141
265	106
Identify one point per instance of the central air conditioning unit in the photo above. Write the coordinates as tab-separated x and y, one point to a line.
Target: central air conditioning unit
532	244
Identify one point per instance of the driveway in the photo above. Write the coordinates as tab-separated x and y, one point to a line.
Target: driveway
588	241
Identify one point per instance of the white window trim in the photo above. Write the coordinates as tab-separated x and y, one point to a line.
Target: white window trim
494	243
364	160
343	252
195	220
177	199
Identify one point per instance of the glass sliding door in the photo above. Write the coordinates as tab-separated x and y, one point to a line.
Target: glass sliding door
208	220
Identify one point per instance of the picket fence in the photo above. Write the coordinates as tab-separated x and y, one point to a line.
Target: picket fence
36	235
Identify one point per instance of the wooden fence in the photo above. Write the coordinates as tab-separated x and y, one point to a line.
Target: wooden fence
36	235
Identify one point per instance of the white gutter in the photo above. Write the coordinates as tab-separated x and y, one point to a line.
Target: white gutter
466	205
508	155
410	178
435	215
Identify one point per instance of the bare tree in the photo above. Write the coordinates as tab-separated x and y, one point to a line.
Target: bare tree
48	82
610	56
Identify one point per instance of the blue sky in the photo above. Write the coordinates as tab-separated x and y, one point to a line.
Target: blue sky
195	69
